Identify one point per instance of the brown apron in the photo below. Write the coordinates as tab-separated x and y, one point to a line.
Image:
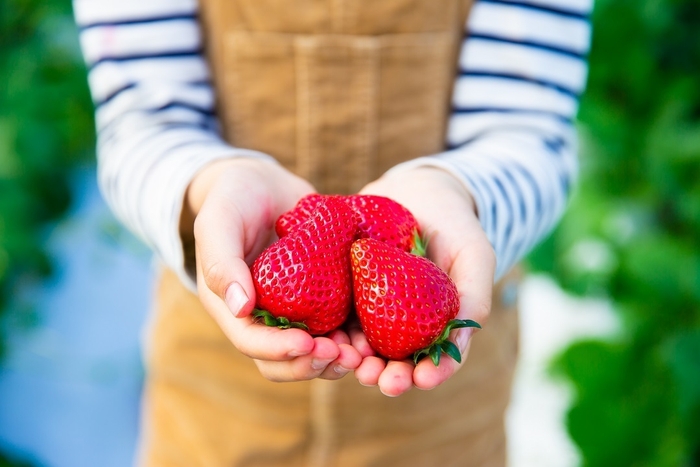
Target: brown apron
338	91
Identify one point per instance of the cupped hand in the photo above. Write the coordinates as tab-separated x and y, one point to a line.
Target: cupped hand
230	210
458	245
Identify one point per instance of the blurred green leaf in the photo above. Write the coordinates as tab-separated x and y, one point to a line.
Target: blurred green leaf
632	234
615	392
46	129
683	354
10	462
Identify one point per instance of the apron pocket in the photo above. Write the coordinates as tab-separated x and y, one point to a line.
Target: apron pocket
338	110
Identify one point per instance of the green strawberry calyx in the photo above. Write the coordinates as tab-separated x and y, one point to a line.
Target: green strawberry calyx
281	322
420	244
443	345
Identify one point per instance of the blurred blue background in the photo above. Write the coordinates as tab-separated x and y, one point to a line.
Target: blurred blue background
71	380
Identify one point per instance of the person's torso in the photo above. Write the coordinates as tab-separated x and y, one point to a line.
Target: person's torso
339	91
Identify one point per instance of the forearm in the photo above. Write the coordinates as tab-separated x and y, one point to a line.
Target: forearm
513	145
154	113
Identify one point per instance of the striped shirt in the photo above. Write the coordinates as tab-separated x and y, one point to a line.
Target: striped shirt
510	137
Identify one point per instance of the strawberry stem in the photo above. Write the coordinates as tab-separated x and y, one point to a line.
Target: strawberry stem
443	345
281	322
420	244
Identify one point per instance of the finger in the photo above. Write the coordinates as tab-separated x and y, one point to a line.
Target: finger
339	337
358	339
473	272
348	360
428	376
220	263
302	368
268	343
221	243
396	379
255	339
370	370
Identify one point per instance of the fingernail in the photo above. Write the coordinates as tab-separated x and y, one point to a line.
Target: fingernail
387	395
340	370
236	298
297	353
318	364
462	338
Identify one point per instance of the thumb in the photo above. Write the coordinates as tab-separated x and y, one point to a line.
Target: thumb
473	272
220	248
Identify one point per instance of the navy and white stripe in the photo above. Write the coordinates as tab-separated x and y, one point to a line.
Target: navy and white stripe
154	112
522	70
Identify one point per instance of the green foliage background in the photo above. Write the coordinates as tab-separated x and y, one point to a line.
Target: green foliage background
46	130
631	233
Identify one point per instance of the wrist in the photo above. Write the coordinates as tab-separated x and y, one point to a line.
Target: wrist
209	176
427	178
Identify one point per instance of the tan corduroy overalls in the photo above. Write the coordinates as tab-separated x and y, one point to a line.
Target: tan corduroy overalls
338	91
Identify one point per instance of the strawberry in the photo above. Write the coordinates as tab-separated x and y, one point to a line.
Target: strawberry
405	303
293	218
386	220
303	279
380	218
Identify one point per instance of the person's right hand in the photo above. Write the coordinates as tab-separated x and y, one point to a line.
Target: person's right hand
230	208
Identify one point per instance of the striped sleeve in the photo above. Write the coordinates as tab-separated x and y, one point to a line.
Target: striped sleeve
511	138
154	113
522	69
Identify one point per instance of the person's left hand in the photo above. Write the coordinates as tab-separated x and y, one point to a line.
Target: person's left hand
458	245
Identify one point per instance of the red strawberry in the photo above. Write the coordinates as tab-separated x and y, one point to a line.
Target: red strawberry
386	220
380	218
299	214
405	303
304	278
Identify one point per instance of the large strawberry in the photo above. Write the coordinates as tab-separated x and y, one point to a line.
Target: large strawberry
405	303
304	278
379	218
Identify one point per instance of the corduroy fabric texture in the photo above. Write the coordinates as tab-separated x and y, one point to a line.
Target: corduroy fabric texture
207	405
